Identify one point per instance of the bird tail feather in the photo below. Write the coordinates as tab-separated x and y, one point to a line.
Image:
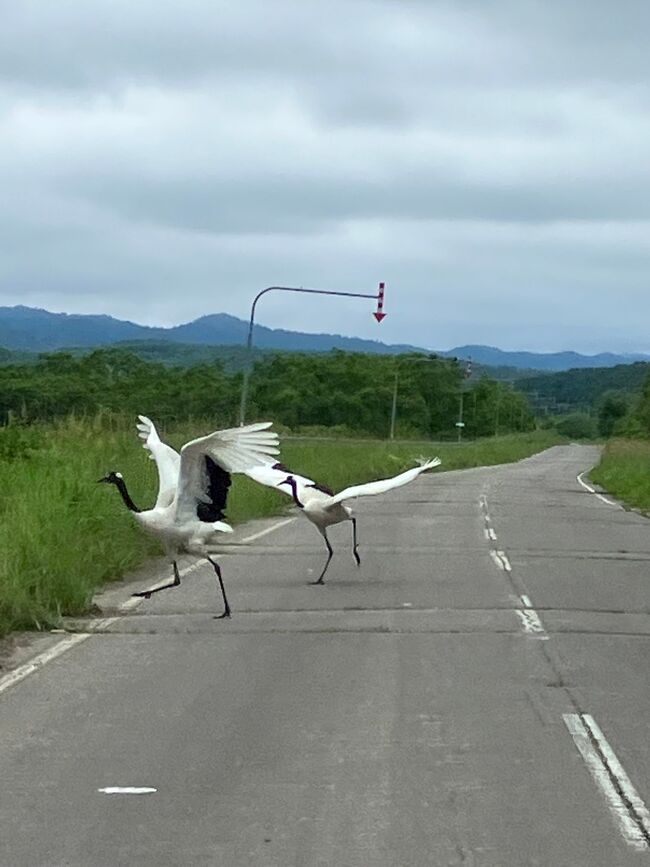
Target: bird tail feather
428	463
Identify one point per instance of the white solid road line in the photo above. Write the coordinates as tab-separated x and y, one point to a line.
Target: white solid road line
127	790
629	811
591	490
41	659
267	531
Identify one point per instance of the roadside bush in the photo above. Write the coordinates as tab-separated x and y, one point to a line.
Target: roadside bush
613	407
577	426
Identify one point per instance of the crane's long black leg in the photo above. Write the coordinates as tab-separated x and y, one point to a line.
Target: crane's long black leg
146	594
330	554
217	569
354	541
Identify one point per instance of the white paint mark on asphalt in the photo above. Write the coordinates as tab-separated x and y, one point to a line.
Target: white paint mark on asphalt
268	530
495	556
128	790
501	560
581	481
626	785
407	605
530	619
531	623
629	811
41	659
591	490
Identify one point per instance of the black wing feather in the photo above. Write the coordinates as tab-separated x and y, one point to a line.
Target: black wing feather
218	483
322	488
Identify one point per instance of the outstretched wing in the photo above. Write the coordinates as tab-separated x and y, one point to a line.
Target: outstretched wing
207	462
383	485
167	460
273	474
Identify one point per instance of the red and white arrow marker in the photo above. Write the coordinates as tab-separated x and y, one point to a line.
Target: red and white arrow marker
379	314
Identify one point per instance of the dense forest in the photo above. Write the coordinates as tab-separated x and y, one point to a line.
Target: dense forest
349	392
233	356
582	389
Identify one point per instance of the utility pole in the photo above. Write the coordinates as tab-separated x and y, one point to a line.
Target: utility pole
460	424
393	412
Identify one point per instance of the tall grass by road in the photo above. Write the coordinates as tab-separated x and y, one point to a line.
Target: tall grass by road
624	471
62	535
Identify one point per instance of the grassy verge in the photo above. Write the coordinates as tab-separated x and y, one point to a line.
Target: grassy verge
62	535
624	471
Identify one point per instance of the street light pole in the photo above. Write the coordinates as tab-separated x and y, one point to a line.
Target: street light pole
379	315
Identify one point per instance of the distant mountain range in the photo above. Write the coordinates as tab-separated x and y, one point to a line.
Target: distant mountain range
29	329
36	330
550	361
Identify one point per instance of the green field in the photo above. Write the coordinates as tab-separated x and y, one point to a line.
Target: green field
624	471
63	535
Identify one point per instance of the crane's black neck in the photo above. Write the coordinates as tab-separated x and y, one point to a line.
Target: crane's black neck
128	502
294	492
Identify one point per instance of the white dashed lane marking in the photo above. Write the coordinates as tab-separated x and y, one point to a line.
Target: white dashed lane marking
531	622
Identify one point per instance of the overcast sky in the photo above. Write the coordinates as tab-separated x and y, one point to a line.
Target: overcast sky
488	159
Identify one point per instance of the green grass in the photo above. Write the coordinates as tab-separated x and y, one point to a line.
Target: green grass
624	471
62	535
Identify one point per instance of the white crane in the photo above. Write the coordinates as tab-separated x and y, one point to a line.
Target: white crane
193	490
322	506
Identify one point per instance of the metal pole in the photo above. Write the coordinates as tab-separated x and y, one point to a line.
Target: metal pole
393	413
249	339
460	416
248	362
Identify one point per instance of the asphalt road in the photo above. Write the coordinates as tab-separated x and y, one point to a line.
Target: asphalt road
429	708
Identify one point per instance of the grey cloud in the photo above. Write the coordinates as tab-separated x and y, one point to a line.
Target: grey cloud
489	159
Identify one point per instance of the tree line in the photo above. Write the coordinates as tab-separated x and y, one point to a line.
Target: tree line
305	392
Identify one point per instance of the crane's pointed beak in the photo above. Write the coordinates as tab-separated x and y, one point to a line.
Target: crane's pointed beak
105	479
